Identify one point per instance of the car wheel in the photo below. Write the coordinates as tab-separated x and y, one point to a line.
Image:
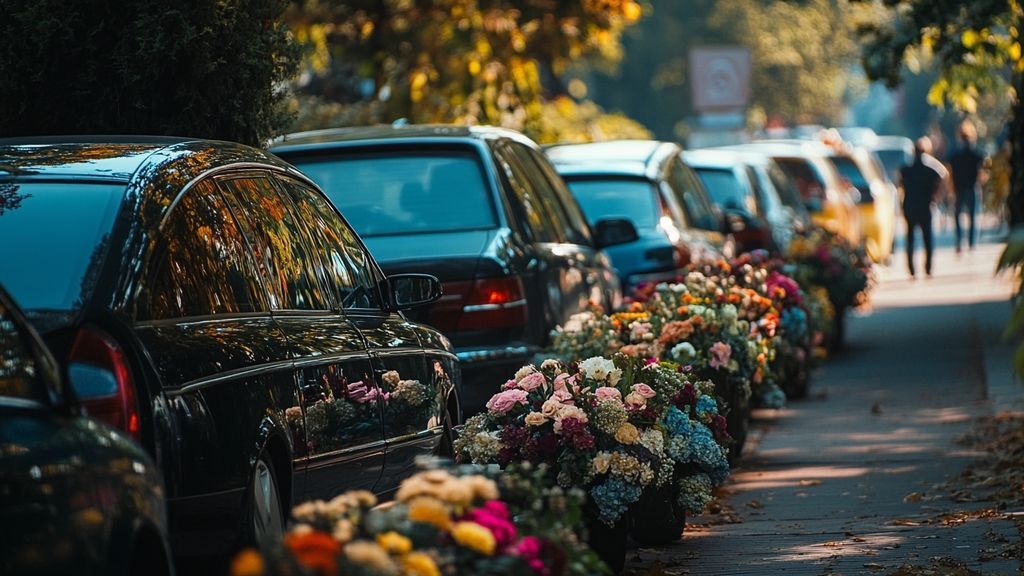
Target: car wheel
266	517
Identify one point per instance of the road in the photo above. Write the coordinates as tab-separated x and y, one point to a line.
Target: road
851	479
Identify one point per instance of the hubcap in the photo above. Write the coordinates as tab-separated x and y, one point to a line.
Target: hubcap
267	521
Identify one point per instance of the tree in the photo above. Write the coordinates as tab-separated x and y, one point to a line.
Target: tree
977	49
465	61
207	68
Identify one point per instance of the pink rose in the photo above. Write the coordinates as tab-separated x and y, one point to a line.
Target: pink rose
634	401
644	390
508	385
562	397
532	382
608	393
563	381
720	354
504	401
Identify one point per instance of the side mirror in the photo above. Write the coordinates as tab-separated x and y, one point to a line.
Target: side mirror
614	231
412	290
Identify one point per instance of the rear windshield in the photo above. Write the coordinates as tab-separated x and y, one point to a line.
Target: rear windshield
53	237
726	190
403	193
848	169
634	200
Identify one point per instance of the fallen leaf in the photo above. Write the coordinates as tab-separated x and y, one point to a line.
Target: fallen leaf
913	497
810	482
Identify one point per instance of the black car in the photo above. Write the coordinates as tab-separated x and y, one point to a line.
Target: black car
208	299
78	497
483	210
646	182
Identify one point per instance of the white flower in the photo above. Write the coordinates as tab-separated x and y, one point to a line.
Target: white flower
684	352
614	376
524	372
729	314
597	368
549	364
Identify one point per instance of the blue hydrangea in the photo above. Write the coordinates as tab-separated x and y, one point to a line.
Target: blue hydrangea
613	497
772	396
794	322
695	493
678	422
706	405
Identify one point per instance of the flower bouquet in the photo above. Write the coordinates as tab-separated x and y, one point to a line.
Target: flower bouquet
440	523
614	427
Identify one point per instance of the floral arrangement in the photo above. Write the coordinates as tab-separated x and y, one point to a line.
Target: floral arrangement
440	523
612	426
823	258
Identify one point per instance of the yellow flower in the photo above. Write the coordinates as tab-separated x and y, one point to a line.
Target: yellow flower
394	543
419	564
248	563
429	511
627	434
474	536
369	554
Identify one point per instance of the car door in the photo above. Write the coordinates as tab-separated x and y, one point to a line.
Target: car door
407	390
340	404
203	317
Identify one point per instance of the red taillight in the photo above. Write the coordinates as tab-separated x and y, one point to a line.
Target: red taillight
98	371
494	303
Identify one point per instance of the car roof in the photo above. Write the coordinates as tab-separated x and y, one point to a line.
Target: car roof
724	158
389	134
637	158
115	158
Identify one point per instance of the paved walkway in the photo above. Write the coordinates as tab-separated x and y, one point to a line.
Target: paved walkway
849	481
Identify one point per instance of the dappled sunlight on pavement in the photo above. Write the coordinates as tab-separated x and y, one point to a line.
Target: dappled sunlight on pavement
852	479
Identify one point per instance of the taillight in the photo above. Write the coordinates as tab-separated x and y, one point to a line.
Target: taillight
98	371
494	303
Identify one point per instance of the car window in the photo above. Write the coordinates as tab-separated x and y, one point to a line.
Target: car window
695	201
17	364
849	169
807	179
575	228
203	266
541	225
534	179
767	196
788	193
346	264
61	229
405	192
726	189
287	264
634	200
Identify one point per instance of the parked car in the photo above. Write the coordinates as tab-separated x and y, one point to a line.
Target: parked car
741	184
78	497
831	204
207	299
483	210
877	200
645	182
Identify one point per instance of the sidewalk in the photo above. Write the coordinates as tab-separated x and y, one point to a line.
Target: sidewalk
849	481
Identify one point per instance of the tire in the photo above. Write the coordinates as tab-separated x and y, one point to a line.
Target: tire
657	518
265	519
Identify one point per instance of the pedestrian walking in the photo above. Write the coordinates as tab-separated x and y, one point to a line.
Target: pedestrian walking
922	182
966	162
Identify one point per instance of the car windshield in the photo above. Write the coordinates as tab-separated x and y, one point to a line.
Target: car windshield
405	193
848	169
725	188
54	236
634	200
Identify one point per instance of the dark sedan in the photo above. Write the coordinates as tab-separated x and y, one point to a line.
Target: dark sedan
646	182
207	299
77	496
484	211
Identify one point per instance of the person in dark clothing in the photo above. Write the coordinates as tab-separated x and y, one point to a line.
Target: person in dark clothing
965	163
921	183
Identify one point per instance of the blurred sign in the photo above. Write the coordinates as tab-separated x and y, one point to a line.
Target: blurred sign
720	78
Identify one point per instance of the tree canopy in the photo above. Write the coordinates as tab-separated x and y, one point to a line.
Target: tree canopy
207	68
464	61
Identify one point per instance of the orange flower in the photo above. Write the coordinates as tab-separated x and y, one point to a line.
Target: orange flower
249	562
316	551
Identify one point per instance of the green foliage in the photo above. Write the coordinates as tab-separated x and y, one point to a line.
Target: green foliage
465	61
210	68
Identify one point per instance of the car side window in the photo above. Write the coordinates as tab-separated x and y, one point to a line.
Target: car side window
348	267
278	242
204	267
695	202
17	364
574	224
541	224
